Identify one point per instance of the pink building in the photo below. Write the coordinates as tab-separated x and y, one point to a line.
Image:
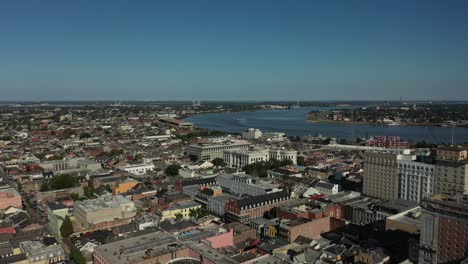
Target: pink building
10	197
222	240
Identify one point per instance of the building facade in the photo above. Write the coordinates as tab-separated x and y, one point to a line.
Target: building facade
210	151
380	178
243	209
106	208
239	158
415	179
444	229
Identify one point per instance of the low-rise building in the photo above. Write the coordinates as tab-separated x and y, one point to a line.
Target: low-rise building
38	253
107	208
10	197
179	209
252	207
138	169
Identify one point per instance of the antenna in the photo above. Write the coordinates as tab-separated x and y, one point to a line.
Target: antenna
453	131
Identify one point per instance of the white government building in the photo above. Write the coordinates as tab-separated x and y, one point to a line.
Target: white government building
238	158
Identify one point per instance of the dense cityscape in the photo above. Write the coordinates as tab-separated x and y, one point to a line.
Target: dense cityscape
233	132
131	183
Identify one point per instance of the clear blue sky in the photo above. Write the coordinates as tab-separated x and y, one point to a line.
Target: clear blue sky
233	50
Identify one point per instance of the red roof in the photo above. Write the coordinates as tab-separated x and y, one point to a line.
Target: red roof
7	230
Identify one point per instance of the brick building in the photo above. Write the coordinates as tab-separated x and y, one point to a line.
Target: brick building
252	207
444	229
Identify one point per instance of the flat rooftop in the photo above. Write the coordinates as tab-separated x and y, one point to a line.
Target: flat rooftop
133	249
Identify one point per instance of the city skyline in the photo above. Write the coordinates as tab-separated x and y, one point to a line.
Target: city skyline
234	50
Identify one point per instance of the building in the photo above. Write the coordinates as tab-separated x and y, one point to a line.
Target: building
291	229
452	153
415	179
245	184
138	169
10	197
283	154
107	208
444	229
157	247
177	123
327	188
387	142
38	253
210	151
380	178
68	165
181	209
273	136
239	158
251	133
56	213
124	186
252	207
451	171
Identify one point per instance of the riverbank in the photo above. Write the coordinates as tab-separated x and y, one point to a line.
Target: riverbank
293	123
321	117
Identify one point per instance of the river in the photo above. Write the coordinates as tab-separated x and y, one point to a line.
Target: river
293	122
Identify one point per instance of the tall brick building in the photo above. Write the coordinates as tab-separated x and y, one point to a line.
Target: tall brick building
444	229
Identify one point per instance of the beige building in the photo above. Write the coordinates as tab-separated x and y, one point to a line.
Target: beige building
106	208
452	153
380	177
451	171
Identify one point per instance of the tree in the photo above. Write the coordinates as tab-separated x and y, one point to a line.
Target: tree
67	228
85	135
179	216
272	213
62	181
218	162
198	213
172	170
45	186
88	192
77	256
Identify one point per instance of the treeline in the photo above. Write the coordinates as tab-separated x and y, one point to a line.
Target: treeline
261	168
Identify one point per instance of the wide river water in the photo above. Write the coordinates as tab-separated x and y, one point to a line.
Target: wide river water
293	122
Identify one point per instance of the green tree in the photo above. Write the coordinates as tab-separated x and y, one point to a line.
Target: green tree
198	213
88	192
218	162
67	228
179	216
272	213
62	181
172	170
44	186
77	256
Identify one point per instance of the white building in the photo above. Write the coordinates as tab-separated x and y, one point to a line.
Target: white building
212	150
283	154
252	133
138	169
273	136
239	158
416	179
327	188
242	183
